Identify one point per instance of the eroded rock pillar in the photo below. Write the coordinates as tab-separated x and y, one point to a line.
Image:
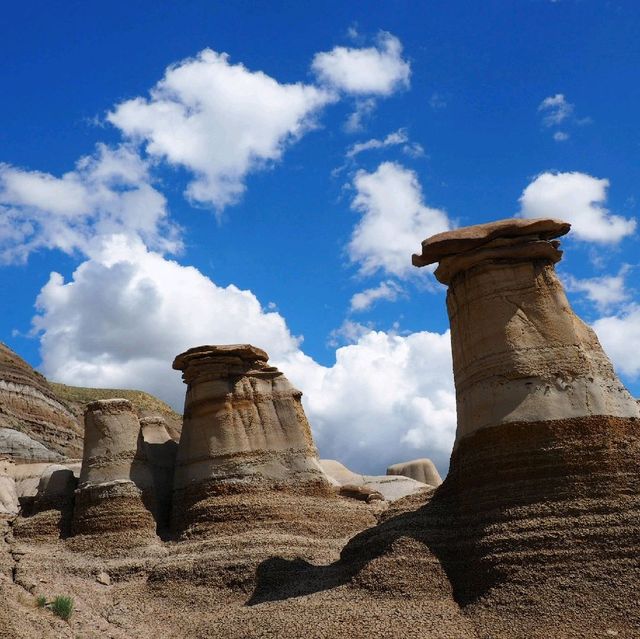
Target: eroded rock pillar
245	436
115	496
541	503
520	354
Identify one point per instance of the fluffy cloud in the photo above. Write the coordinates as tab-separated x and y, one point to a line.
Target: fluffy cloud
580	199
127	311
220	121
396	138
605	291
556	110
378	70
387	398
389	291
108	192
619	334
394	220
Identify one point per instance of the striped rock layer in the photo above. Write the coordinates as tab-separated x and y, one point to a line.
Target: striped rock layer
246	454
29	405
115	499
538	522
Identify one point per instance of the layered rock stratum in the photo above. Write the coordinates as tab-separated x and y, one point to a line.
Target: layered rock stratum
246	455
29	405
534	533
115	498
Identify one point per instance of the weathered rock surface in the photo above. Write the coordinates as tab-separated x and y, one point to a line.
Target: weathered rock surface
519	351
157	448
390	487
9	504
22	448
115	497
537	523
29	405
28	476
422	470
245	434
469	238
46	513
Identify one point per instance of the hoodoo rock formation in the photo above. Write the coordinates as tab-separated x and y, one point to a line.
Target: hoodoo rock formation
246	448
520	354
542	494
158	450
115	496
534	533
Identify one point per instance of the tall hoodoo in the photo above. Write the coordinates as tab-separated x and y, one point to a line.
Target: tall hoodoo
520	354
244	432
542	493
115	496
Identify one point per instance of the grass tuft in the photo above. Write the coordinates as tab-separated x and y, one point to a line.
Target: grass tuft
62	606
41	601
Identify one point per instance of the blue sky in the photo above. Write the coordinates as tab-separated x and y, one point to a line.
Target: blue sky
217	172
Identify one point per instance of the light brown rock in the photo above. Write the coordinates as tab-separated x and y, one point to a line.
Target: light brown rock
8	494
29	405
422	470
244	431
519	352
390	487
103	578
539	512
469	238
363	493
115	495
158	449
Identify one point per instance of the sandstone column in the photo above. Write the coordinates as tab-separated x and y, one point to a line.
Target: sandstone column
542	502
115	496
520	354
246	446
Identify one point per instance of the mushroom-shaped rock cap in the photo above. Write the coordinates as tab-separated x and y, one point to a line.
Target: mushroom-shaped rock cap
246	352
111	405
472	237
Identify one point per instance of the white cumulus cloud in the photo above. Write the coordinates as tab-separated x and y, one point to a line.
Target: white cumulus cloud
108	192
379	70
387	398
220	121
620	334
605	291
394	220
127	311
579	199
389	291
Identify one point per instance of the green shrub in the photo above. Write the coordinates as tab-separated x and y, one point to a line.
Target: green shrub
41	601
62	606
